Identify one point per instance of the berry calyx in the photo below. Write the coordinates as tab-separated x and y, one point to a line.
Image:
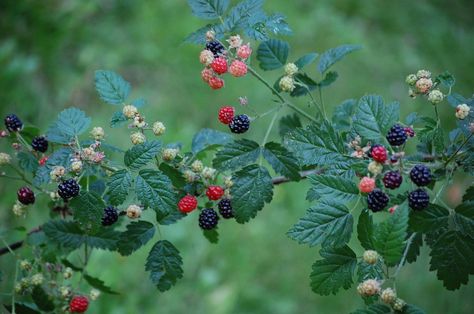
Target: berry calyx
78	304
214	192
239	124
366	185
238	68
377	200
219	65
215	47
26	196
226	114
68	189
187	204
378	153
418	199
392	180
216	82
208	219
13	123
420	175
40	144
225	208
396	136
110	216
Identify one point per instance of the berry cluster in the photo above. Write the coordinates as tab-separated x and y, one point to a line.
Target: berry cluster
419	198
422	84
237	124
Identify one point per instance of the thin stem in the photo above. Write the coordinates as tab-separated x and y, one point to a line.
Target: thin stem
322	103
13	290
267	134
8	247
87	183
405	253
301	112
23	141
108	168
459	148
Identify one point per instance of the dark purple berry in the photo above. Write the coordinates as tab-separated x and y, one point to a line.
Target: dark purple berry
13	123
397	135
392	179
40	144
208	219
409	131
68	189
215	47
377	200
239	124
225	208
418	199
26	196
110	216
420	175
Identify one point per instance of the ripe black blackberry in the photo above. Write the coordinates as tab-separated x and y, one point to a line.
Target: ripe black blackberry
397	135
377	200
208	219
392	180
420	175
418	199
225	208
215	47
110	216
39	144
26	196
68	189
13	123
239	124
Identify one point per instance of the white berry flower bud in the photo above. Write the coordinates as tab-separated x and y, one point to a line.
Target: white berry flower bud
388	296
287	84
68	272
170	154
370	257
19	209
368	288
87	153
197	166
189	176
210	35
462	111
134	211
423	74
411	79
97	133
76	166
57	173
25	265
291	69
435	97
228	183
423	85
5	159
139	122
65	291
37	279
94	294
137	138
129	111
375	168
399	304
235	41
208	173
158	128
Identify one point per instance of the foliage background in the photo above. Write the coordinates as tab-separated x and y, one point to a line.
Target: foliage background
50	49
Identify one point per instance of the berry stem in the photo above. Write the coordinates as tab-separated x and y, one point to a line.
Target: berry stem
23	141
322	102
13	289
457	150
405	254
267	134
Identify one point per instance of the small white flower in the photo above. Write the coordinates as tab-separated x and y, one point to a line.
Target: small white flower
94	294
291	69
67	273
37	279
5	159
411	79
129	111
97	133
197	166
287	84
208	173
57	173
170	154
462	111
423	74
158	128
134	211
235	41
435	96
137	138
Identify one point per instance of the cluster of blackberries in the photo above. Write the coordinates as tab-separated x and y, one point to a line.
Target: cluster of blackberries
208	217
421	176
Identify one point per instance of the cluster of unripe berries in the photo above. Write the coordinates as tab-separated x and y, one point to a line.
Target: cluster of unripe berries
218	60
422	84
287	82
138	122
237	123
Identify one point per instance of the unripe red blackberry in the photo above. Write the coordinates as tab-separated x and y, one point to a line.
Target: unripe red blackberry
78	304
214	192
378	153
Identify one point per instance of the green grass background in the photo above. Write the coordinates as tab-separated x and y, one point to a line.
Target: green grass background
49	51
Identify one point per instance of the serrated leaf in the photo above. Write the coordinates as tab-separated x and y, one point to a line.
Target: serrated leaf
332	187
329	78
208	9
428	219
155	190
118	119
335	271
99	284
237	154
375	309
137	235
112	88
282	160
390	235
445	78
88	209
342	115
370	271
328	223
305	85
452	254
469	195
373	118
207	138
105	239
42	300
27	162
306	59
119	185
174	174
334	55
141	154
252	188
464	218
199	37
414	249
240	15
169	218
211	235
272	54
70	123
165	265
67	263
288	123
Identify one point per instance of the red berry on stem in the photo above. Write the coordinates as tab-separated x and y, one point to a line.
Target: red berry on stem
226	114
379	153
238	68
78	304
219	65
216	83
214	192
187	204
366	185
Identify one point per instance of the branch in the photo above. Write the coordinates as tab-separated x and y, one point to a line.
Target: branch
18	244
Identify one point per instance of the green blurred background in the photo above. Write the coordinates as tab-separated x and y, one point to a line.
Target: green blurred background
49	51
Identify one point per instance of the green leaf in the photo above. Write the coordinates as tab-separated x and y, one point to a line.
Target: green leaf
428	219
99	284
42	299
306	59
208	9
332	187
464	218
469	195
119	185
252	188
141	154
412	309
67	263
370	271
23	308
27	162
211	235
199	37
207	138
237	154
288	123
70	123
414	249
445	78
281	160
112	88
118	119
335	271
452	254
170	217
342	116
105	238
272	54
373	118
329	78
88	209
375	309
390	235
164	264
174	174
155	190
138	233
334	55
241	16
304	85
328	223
